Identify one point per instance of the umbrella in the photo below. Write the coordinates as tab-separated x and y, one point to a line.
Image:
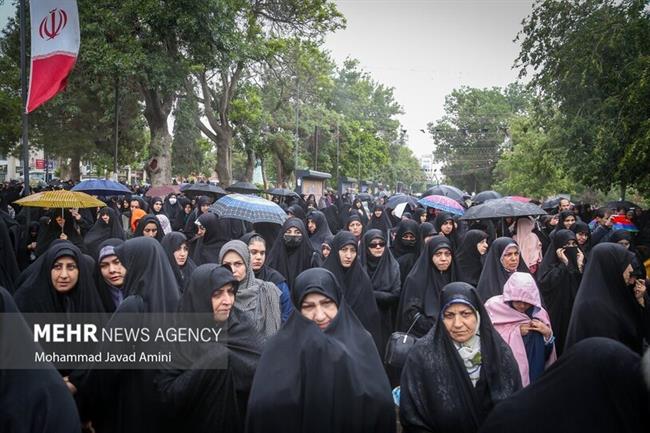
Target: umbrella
401	198
162	191
552	202
621	222
448	191
518	198
249	208
364	196
443	203
204	189
282	192
502	208
103	187
61	199
485	195
621	203
243	187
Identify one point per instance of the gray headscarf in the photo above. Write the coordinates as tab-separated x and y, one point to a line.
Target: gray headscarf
260	300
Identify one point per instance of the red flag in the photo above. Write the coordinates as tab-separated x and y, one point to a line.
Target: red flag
55	45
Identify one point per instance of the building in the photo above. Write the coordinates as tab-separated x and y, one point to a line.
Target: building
428	167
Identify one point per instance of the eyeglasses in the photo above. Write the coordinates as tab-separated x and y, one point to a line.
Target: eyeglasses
377	245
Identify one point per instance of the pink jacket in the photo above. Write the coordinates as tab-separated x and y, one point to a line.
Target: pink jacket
506	320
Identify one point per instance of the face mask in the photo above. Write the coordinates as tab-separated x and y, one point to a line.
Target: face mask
292	241
172	200
571	253
409	244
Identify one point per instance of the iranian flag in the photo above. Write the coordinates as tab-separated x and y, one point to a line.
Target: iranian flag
55	45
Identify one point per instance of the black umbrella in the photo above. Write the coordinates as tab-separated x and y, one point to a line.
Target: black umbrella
448	191
204	189
282	192
402	198
621	203
483	196
551	203
364	196
243	188
502	208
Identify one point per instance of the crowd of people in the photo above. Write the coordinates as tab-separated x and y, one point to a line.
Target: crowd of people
520	324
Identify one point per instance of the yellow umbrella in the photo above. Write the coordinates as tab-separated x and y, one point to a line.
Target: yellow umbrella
61	199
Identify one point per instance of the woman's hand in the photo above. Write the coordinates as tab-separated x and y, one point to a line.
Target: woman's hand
541	327
639	291
581	260
562	256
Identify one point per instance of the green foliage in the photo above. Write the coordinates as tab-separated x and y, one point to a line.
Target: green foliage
10	104
187	155
590	63
472	134
531	166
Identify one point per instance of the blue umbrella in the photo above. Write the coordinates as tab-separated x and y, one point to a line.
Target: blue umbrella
102	187
249	208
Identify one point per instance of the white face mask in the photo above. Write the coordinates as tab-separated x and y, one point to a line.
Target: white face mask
172	200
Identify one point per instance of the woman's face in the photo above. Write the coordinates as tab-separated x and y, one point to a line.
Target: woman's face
482	246
64	274
441	259
311	226
378	213
569	221
625	243
258	254
447	227
460	321
106	218
582	238
60	220
236	263
319	309
150	230
187	209
521	306
347	254
376	247
204	208
510	259
423	218
355	228
157	206
181	255
325	250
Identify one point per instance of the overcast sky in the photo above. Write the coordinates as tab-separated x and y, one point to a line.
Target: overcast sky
424	49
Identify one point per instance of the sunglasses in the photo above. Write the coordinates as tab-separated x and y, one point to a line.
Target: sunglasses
377	245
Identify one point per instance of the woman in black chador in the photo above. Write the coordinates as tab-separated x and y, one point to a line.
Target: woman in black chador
292	252
207	387
459	371
321	373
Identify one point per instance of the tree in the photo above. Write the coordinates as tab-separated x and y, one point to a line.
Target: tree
474	131
590	61
259	26
187	155
532	165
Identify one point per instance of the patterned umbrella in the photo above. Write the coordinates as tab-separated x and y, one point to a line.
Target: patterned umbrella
443	203
249	208
104	187
61	198
448	191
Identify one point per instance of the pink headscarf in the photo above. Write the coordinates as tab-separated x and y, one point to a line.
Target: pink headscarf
529	244
506	320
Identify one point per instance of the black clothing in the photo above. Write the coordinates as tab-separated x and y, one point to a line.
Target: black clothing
322	229
208	246
384	275
101	231
8	266
406	253
147	219
595	387
104	288
174	213
52	232
171	243
469	259
35	400
209	390
190	228
320	381
356	286
494	275
605	306
289	260
421	291
437	394
558	286
442	218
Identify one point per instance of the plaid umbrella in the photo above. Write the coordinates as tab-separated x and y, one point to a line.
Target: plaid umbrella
443	203
104	187
249	208
61	198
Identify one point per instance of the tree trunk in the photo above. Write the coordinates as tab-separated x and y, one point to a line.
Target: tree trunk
159	165
75	173
264	180
224	142
281	170
623	187
250	165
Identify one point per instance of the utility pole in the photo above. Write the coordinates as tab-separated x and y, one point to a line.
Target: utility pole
23	88
116	129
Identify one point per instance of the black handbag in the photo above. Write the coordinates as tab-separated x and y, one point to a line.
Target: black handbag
398	346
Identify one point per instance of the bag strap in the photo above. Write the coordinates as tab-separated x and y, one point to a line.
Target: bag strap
417	317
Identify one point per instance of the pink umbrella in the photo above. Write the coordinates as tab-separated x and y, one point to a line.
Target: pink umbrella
443	203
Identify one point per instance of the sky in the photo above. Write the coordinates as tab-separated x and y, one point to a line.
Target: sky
423	49
426	48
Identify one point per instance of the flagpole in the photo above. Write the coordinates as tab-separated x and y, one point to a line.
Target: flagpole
23	85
